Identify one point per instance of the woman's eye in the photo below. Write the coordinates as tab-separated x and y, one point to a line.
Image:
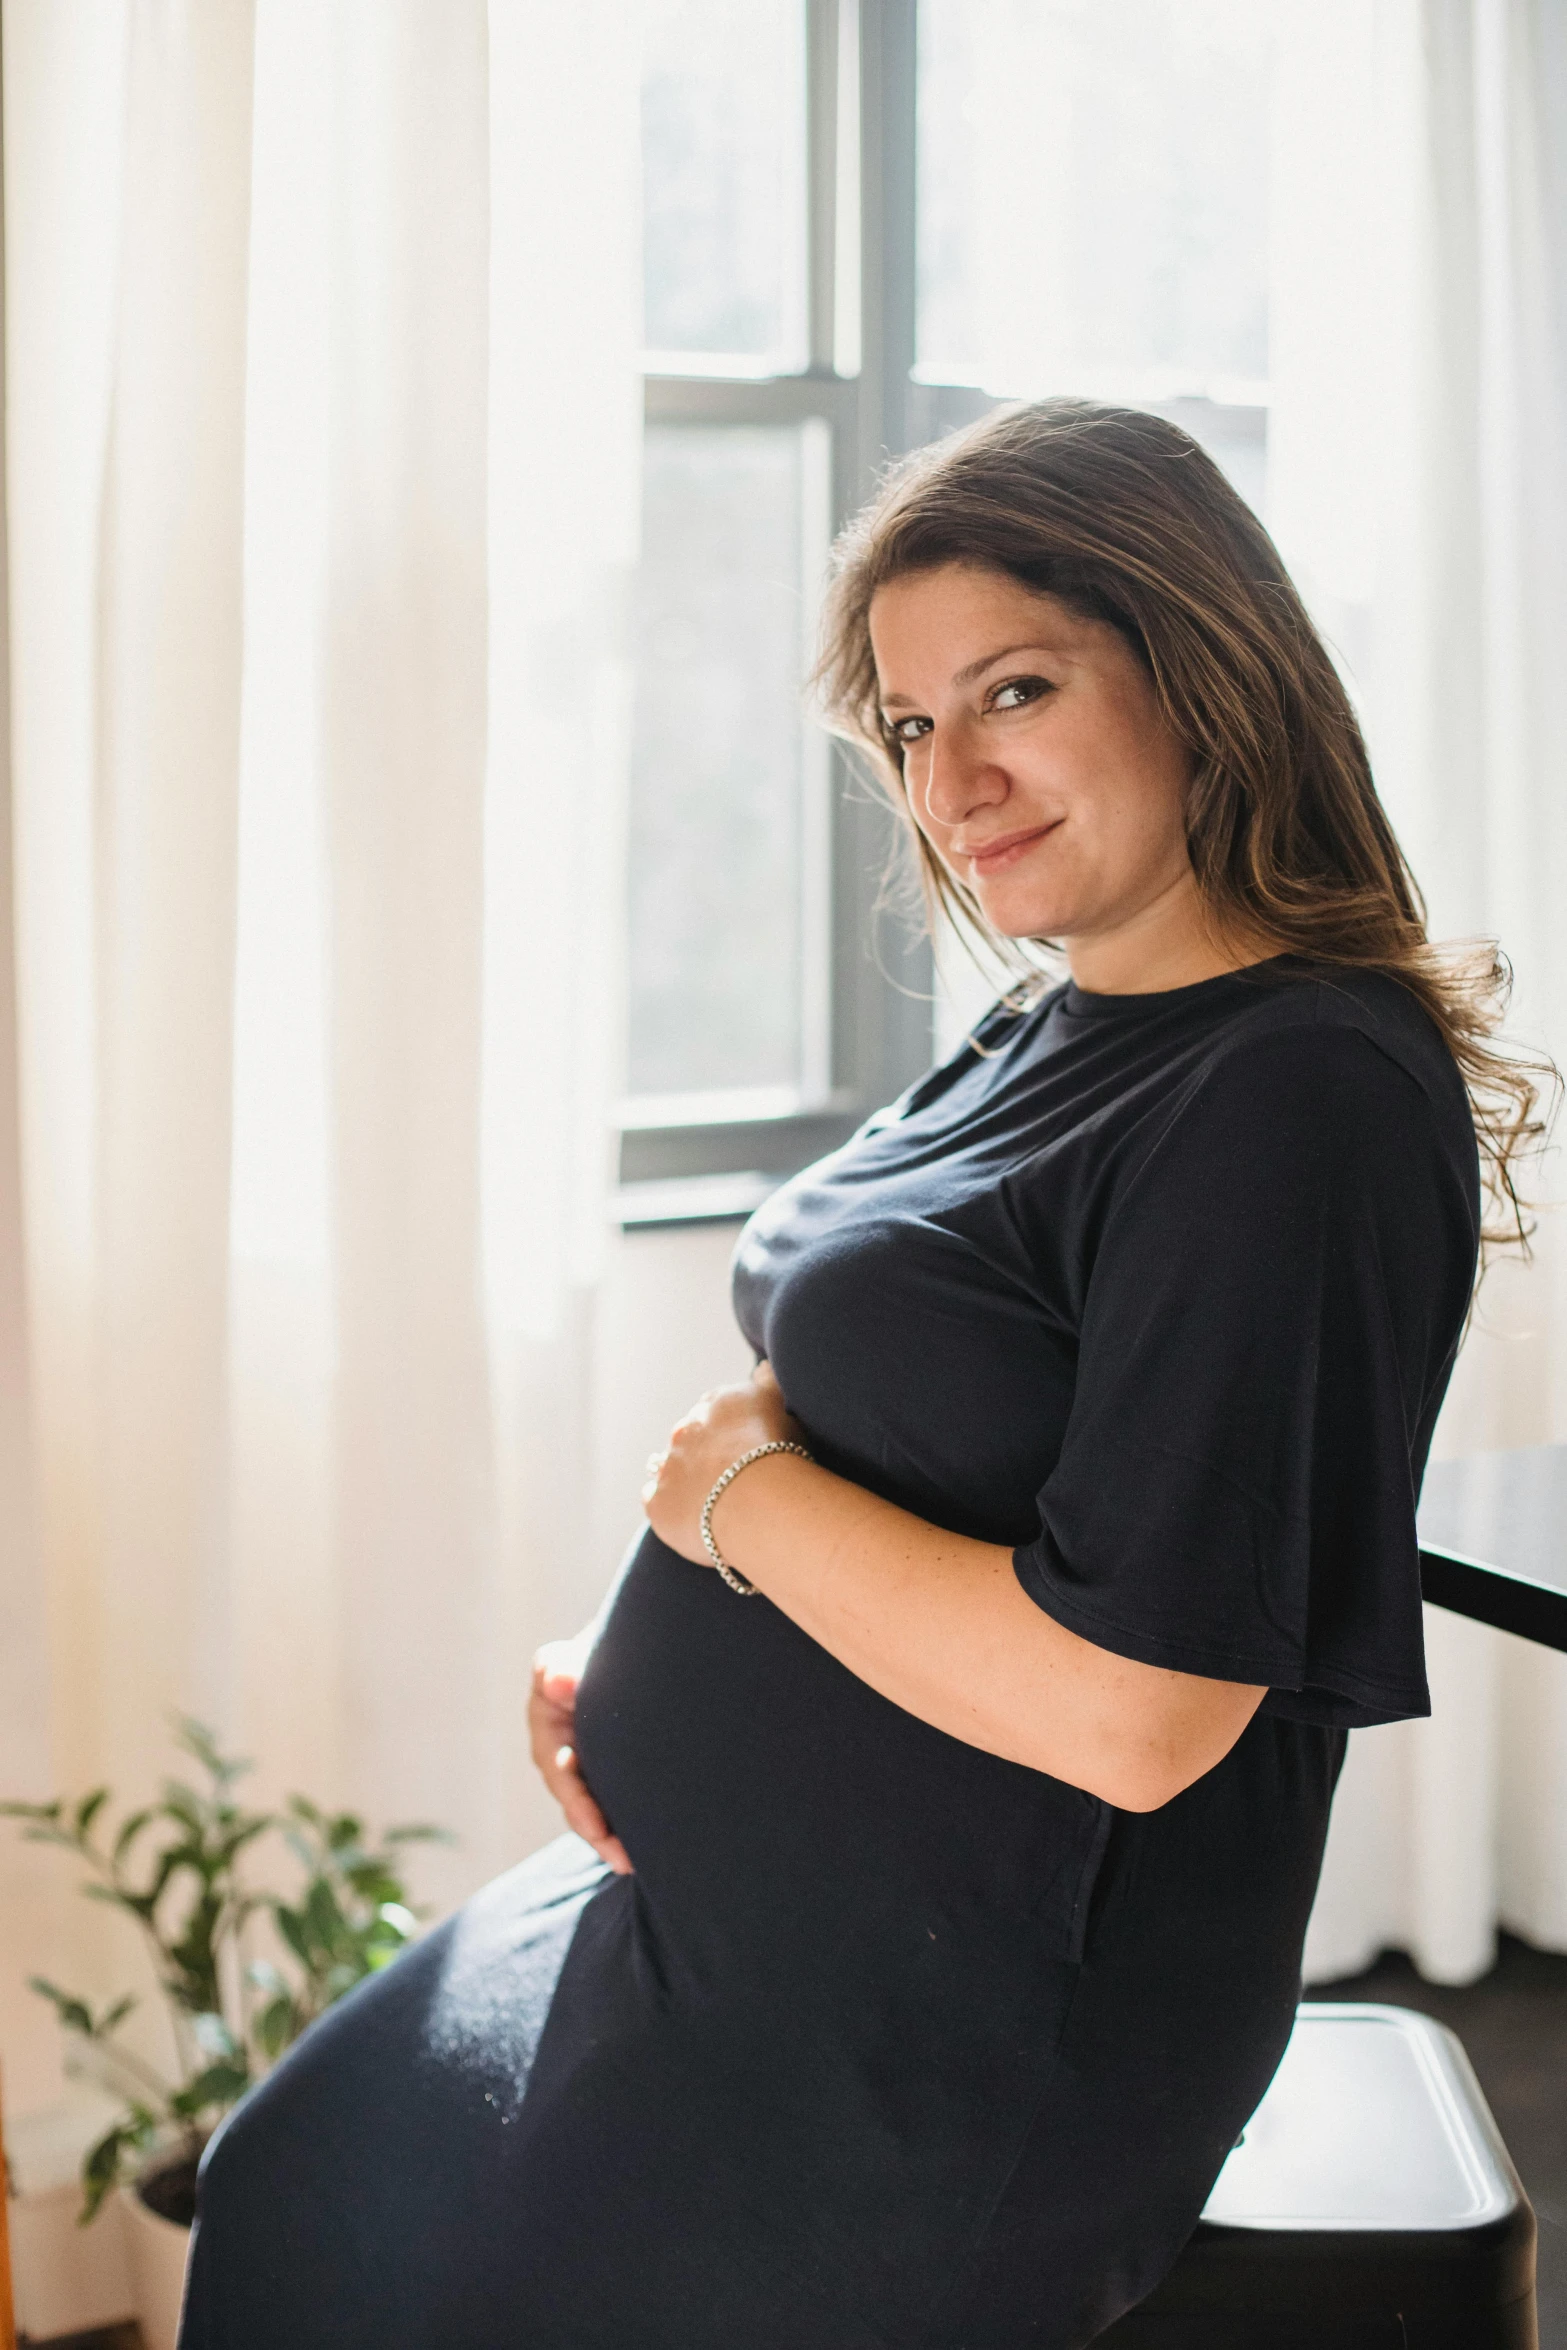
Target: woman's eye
909	730
1018	692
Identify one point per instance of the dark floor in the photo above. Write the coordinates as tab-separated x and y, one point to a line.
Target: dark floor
1514	2025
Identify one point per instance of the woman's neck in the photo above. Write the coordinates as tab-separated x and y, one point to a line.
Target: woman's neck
1172	942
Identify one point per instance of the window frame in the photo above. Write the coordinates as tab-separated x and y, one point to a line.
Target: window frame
712	1161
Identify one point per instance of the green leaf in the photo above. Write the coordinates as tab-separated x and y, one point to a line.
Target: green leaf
375	1885
89	1808
116	2014
129	1831
101	2169
116	1898
292	1928
103	2163
42	1833
193	1958
30	1811
183	1804
220	2084
172	1858
235	1842
74	2013
198	1740
278	2024
303	1851
323	1915
416	1833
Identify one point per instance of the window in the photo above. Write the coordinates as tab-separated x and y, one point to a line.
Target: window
728	841
1093	207
863	225
771	1004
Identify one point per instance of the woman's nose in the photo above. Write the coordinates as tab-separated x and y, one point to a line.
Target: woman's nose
960	779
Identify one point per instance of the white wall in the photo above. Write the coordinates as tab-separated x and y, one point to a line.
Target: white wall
663	1332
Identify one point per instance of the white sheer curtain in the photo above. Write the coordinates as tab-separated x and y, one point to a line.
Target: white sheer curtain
1418	479
322	446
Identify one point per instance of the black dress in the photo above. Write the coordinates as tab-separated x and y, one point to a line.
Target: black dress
890	2042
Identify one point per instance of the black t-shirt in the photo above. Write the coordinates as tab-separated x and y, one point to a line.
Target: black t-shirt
1164	1291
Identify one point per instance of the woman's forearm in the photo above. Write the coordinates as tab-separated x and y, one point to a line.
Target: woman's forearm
941	1626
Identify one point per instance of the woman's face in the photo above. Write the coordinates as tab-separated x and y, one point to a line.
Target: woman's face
1041	770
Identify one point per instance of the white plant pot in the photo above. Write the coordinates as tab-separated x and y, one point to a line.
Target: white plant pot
158	2250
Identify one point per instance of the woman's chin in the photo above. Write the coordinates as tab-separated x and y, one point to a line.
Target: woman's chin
1017	914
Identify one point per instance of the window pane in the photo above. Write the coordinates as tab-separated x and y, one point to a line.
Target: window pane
723	143
719	759
1093	195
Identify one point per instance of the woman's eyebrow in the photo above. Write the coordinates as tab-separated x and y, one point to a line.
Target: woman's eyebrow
978	668
965	676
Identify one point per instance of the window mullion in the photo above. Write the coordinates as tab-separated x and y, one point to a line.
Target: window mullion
882	1011
888	56
821	181
771	399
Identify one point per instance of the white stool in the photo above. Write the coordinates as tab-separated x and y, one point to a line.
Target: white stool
1370	2205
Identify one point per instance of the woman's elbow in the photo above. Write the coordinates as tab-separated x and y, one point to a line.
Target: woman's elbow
1144	1788
1145	1773
1139	1786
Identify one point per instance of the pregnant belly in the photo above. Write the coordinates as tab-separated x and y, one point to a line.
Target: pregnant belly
782	1817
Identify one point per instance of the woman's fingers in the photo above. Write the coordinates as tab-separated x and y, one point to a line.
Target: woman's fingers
552	1709
561	1661
583	1815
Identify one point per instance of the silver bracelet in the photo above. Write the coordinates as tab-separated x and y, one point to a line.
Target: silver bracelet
737	1582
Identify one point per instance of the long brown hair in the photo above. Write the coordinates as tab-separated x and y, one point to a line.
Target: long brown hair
1127	520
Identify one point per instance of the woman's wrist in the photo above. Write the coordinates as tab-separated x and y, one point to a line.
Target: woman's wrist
743	1500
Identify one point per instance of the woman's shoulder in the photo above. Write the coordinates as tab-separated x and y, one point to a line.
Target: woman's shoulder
1314	1087
1329	1104
1325	1038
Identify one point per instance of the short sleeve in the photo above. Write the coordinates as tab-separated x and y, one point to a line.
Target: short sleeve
1271	1316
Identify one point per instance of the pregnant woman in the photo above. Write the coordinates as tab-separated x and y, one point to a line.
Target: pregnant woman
952	1763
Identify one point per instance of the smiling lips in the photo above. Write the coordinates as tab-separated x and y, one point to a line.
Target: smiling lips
994	856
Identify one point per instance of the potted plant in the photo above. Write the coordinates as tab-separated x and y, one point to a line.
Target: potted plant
174	1868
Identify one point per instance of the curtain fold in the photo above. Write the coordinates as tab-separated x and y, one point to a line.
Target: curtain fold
403	744
323	444
1418	486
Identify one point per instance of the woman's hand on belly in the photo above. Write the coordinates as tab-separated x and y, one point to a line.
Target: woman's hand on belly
552	1713
721	1425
